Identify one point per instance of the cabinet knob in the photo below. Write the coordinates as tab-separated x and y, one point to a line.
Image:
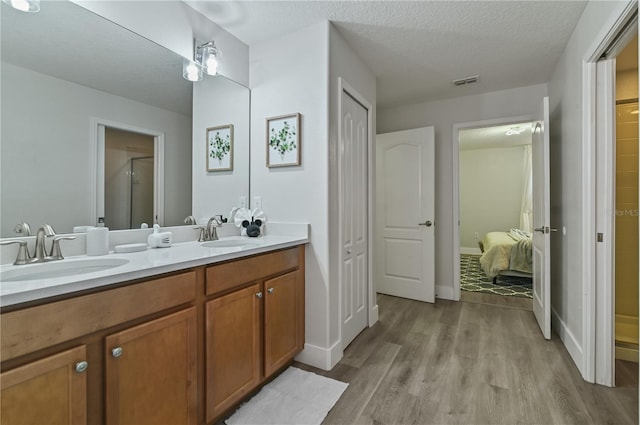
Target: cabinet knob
259	295
270	290
81	366
116	352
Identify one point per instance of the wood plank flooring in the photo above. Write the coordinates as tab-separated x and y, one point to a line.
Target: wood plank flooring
467	363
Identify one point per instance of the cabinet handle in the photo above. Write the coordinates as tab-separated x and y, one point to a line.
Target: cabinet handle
270	290
81	366
259	295
116	352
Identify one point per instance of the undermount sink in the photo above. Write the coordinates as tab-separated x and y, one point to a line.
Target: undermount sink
60	269
231	243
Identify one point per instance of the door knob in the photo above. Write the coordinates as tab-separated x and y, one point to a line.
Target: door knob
427	223
544	229
116	352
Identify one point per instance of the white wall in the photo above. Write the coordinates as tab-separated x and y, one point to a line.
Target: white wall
219	101
491	186
290	74
52	156
343	63
567	178
443	114
174	25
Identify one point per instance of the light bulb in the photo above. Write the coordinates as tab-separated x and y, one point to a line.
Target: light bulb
212	65
210	61
24	5
191	71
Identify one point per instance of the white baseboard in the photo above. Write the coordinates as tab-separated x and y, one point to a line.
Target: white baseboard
470	251
569	340
444	292
322	358
373	315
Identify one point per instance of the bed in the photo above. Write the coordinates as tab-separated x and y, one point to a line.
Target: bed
507	253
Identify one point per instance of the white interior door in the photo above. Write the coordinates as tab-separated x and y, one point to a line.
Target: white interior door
541	219
404	229
353	164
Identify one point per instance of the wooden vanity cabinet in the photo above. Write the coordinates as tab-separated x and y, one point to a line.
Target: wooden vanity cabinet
233	348
179	349
54	388
151	372
254	331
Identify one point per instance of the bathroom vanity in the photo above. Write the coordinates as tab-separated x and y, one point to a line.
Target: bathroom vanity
182	346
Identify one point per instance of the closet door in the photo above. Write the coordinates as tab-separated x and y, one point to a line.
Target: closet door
354	213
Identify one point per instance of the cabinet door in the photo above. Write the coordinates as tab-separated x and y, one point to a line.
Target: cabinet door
51	391
281	321
233	348
151	372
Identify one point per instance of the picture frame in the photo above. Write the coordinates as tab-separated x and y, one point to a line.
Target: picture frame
219	144
283	141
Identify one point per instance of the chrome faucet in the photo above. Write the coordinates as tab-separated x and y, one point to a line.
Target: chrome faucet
211	233
23	228
39	254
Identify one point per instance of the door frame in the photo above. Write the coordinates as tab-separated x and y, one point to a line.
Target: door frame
344	88
598	360
455	169
96	141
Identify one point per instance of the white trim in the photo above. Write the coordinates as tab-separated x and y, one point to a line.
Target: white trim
592	304
455	169
567	337
605	222
470	251
322	358
97	164
372	306
588	363
446	292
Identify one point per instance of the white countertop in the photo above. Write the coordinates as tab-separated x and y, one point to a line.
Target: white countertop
140	265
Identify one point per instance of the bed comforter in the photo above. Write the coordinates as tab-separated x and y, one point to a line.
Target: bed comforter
506	251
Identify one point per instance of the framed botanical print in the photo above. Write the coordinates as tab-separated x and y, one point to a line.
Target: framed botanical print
283	140
220	148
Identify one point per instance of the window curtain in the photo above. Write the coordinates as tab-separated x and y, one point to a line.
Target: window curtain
526	208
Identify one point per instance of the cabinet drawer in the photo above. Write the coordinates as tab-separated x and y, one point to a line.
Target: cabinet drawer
229	275
31	329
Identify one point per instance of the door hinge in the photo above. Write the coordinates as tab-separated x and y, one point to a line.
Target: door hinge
600	237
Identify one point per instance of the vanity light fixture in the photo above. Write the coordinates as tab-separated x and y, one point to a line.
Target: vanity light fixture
24	5
205	59
514	131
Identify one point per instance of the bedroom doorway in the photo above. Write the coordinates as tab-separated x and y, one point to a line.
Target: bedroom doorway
495	193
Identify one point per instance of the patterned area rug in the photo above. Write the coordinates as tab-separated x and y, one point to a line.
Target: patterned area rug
473	279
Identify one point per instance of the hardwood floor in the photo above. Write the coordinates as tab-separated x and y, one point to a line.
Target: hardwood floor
467	363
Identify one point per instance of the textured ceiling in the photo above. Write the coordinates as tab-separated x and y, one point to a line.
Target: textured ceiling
416	48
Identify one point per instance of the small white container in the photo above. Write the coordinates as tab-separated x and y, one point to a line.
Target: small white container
98	241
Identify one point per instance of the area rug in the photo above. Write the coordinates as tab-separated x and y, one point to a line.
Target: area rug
473	279
295	397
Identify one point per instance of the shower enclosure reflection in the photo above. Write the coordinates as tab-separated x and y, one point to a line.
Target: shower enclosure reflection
129	179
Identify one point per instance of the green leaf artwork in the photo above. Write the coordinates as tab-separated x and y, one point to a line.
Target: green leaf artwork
283	141
219	146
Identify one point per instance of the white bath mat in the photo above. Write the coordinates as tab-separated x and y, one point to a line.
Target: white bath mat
295	397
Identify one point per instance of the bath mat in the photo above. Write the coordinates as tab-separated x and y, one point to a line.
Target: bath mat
295	397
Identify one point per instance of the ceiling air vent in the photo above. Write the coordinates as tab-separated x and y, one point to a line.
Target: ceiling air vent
468	80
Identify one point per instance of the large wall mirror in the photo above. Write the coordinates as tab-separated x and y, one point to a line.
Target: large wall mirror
77	87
